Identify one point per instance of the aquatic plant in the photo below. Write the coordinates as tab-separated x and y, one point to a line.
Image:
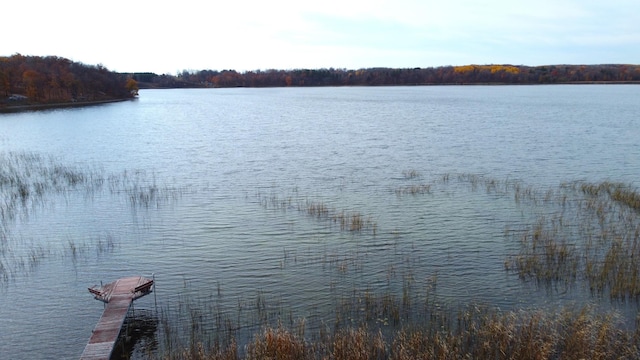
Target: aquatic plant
29	182
414	189
317	209
579	231
546	254
410	174
352	221
470	331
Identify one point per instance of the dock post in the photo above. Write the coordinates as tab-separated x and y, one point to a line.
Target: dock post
155	300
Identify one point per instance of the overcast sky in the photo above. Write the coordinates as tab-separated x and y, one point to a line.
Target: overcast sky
171	36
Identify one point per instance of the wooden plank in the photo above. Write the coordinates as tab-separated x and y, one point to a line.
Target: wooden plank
97	351
118	295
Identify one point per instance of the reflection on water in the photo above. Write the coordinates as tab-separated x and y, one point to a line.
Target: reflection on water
138	336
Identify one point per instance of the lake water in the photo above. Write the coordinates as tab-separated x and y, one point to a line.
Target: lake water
236	172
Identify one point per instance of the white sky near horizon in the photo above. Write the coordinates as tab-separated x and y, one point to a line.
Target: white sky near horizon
168	37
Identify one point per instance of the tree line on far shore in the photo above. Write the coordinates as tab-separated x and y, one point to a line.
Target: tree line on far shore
52	79
444	75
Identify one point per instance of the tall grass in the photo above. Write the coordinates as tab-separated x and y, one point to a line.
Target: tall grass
28	180
579	231
465	332
546	254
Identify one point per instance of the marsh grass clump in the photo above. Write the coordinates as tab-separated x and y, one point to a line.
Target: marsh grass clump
142	191
589	237
466	332
621	193
27	178
414	189
411	174
546	255
275	202
21	263
522	194
618	271
353	221
277	343
579	231
317	209
29	182
359	344
148	195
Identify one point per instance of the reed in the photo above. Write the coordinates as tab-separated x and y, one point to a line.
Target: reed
621	193
316	209
352	221
546	255
406	323
29	182
414	189
275	202
579	231
73	248
277	344
472	331
411	174
145	195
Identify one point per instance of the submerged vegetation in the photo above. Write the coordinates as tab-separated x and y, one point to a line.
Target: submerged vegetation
30	183
592	235
577	232
348	220
576	235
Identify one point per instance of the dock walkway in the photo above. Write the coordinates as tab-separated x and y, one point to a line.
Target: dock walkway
118	295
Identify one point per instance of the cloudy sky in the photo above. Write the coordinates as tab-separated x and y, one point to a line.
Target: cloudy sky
170	36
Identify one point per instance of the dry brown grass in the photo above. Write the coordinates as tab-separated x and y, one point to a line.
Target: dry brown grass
545	254
277	344
479	333
200	353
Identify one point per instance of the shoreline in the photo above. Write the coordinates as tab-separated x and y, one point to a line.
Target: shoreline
146	86
35	107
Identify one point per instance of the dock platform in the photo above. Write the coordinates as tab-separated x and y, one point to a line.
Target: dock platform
118	296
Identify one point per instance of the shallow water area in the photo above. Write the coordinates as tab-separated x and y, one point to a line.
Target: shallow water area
282	204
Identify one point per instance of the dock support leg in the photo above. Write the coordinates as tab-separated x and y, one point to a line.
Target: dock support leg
155	300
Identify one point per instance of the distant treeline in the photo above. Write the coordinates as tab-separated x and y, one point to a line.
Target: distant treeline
469	74
51	79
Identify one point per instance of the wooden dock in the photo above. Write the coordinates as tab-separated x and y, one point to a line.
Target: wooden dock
118	295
